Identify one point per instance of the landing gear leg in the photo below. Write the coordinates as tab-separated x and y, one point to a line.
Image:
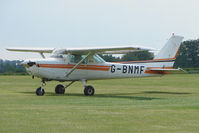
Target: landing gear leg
40	91
88	90
60	89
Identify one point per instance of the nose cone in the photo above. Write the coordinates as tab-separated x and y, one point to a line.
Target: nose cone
28	63
31	67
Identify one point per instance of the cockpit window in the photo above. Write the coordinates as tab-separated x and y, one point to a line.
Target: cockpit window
75	58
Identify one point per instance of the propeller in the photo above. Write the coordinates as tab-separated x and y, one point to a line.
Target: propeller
28	63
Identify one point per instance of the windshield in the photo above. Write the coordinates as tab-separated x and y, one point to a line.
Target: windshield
58	53
59	56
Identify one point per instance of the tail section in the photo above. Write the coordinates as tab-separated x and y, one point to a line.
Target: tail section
164	60
170	49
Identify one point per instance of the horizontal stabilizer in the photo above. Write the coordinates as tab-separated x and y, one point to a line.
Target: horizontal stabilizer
165	70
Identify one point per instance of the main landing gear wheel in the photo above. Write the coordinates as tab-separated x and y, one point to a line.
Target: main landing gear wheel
89	91
40	91
59	89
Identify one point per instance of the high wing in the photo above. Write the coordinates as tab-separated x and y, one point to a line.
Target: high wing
38	50
108	50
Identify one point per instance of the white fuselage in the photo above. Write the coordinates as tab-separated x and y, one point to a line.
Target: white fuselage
57	69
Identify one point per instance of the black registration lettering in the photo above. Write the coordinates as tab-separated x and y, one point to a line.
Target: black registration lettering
136	69
124	69
141	69
130	69
113	68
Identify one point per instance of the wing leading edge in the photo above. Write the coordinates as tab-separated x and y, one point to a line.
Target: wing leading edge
108	50
38	50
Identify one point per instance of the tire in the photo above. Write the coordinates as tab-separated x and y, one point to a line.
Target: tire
89	91
40	92
59	89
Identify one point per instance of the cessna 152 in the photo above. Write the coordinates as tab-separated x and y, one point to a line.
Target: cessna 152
82	64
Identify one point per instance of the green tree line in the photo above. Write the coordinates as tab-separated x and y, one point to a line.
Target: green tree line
188	56
11	67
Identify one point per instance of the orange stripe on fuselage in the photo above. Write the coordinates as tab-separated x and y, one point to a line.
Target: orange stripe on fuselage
70	66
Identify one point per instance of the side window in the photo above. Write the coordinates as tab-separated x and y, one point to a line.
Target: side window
76	58
91	60
95	59
64	56
72	58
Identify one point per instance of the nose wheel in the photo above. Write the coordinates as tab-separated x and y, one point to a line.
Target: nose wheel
40	91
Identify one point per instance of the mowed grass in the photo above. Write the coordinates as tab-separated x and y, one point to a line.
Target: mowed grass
154	104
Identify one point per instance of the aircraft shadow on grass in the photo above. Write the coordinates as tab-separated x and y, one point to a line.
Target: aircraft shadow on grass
112	95
164	92
118	95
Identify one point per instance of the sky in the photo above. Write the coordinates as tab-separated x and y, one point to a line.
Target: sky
93	23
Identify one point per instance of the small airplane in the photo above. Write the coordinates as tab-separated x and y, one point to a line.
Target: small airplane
83	64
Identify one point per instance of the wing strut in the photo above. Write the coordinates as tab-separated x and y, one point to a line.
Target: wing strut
42	55
78	64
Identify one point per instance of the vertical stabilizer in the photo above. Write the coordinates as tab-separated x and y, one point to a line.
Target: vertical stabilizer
170	49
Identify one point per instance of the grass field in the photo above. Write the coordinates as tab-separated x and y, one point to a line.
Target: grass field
158	104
